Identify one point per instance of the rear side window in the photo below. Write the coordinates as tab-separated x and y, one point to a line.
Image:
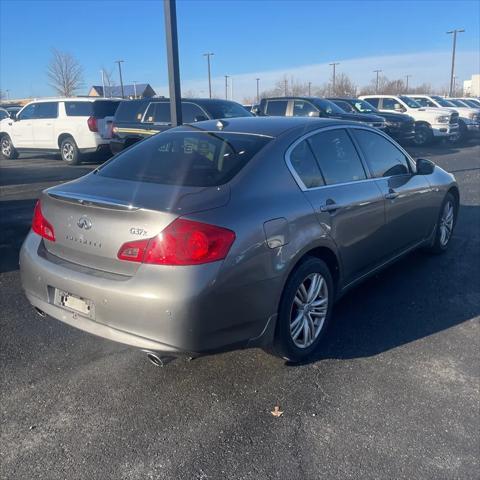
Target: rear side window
276	107
372	101
389	103
383	157
78	109
337	157
301	108
305	165
159	112
188	158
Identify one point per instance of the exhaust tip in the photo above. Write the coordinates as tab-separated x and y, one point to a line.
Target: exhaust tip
159	360
41	313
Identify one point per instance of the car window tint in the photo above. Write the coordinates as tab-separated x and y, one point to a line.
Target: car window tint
78	109
226	109
345	106
46	110
28	112
3	114
301	108
276	107
339	161
191	113
131	110
305	165
190	158
105	108
383	157
389	103
372	101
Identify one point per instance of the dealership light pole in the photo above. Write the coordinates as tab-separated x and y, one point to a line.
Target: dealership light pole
103	82
452	72
309	89
258	90
208	55
170	13
120	73
285	87
334	64
406	86
226	86
134	88
376	85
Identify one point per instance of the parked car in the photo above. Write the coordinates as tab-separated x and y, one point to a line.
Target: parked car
472	102
230	234
313	107
13	110
4	114
468	121
70	126
430	123
399	126
139	119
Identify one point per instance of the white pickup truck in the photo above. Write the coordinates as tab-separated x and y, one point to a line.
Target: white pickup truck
70	126
430	123
468	121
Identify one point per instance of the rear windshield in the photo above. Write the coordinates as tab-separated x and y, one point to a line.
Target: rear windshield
189	158
227	109
102	109
131	110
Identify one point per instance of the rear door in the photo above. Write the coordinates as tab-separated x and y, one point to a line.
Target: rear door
410	206
345	199
276	108
46	115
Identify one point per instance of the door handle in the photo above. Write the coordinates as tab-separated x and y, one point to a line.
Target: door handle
391	194
330	206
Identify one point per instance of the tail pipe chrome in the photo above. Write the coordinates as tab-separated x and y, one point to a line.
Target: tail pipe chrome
159	360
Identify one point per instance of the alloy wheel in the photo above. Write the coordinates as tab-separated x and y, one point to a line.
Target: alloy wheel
309	310
6	147
446	223
68	152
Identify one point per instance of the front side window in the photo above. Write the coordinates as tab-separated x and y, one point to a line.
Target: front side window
424	102
383	158
328	107
391	104
345	106
186	158
301	108
46	110
3	114
372	101
305	165
276	108
226	109
28	112
192	113
339	161
365	107
409	101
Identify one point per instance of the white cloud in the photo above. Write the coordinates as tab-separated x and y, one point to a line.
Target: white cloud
425	67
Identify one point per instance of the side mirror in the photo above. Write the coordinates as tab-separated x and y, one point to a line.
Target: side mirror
424	167
315	114
200	118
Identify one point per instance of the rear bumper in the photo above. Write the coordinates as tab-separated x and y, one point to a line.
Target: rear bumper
166	309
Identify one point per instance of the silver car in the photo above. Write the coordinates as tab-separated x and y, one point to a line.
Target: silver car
231	234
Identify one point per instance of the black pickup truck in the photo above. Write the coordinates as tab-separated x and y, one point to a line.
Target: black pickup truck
313	107
139	119
401	127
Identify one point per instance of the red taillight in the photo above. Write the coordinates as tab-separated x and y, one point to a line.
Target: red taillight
183	242
92	124
40	225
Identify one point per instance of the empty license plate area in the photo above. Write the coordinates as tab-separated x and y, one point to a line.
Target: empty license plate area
74	303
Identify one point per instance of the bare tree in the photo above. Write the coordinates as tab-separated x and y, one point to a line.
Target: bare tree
65	73
344	87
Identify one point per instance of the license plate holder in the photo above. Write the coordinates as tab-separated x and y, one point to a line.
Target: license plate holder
74	303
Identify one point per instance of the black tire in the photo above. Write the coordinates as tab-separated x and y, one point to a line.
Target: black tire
284	344
423	135
439	245
69	151
7	149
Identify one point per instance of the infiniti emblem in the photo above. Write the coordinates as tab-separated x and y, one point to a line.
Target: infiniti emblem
84	222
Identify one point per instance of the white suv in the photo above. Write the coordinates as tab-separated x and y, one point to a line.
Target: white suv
71	126
469	118
430	123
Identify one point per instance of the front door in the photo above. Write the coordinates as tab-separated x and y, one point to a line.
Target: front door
409	202
22	127
46	115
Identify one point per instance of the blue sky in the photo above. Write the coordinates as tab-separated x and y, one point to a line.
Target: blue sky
249	38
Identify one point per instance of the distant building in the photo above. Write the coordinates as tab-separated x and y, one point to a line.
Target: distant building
140	90
471	88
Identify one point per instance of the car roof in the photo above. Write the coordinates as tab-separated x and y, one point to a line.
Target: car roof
268	126
74	99
381	95
295	97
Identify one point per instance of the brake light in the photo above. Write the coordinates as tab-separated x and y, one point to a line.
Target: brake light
40	225
92	124
183	242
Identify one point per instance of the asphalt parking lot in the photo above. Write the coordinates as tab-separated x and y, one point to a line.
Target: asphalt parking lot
393	395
